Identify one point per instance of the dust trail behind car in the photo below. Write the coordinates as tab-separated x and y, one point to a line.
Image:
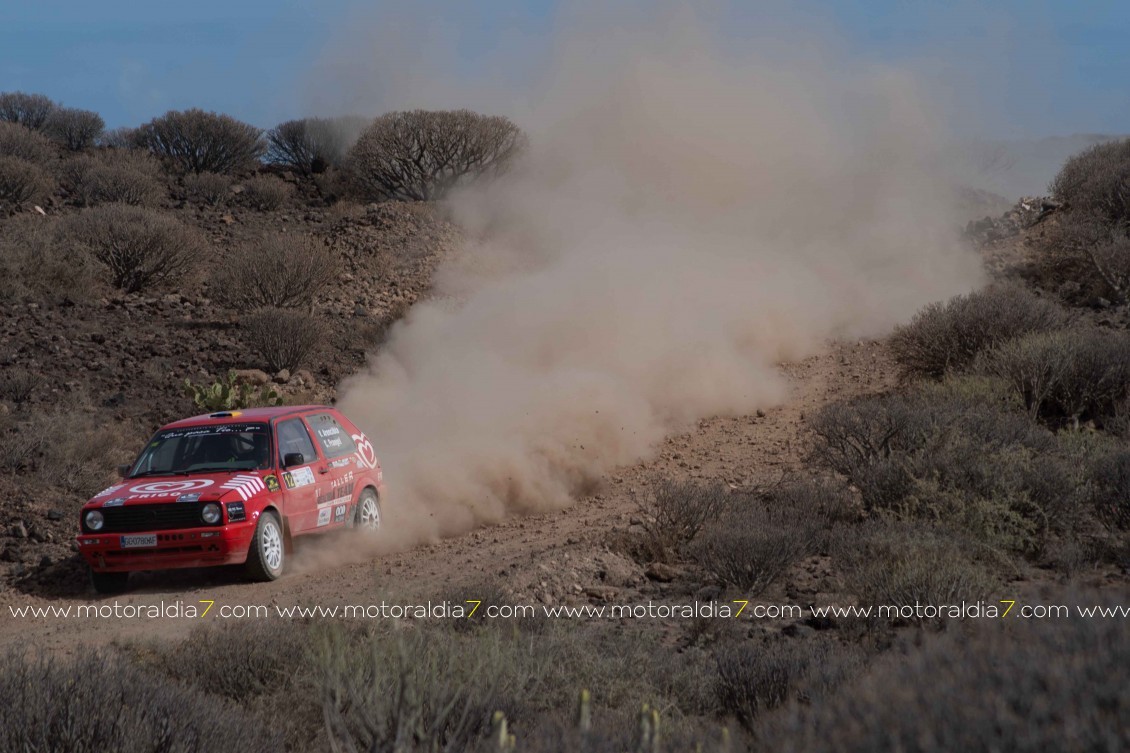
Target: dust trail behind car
686	219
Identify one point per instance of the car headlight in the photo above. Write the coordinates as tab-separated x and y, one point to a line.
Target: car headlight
210	514
94	520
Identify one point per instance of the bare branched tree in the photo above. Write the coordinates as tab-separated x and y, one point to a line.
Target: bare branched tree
422	154
312	145
195	141
73	128
29	110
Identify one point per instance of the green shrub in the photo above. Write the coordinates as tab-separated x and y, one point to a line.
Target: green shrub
946	337
23	182
195	141
281	271
140	247
284	338
99	702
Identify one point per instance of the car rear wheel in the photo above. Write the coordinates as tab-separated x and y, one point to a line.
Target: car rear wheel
109	583
367	516
267	556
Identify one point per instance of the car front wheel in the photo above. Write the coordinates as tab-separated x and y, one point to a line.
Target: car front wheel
267	555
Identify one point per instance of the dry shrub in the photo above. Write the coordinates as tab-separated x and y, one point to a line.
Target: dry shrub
140	247
903	564
34	264
98	701
17	141
1016	686
70	449
18	385
1110	489
116	178
73	128
284	338
281	271
757	539
421	155
677	511
1097	182
264	192
1071	375
28	110
239	660
951	455
23	182
122	139
195	141
945	337
207	188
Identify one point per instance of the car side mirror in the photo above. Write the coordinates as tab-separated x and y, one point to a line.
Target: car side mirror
292	459
123	471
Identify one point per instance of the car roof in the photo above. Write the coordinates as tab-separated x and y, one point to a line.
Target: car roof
247	415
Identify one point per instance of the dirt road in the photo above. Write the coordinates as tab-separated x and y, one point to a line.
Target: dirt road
557	557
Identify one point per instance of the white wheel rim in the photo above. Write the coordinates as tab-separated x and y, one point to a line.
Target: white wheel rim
370	514
272	545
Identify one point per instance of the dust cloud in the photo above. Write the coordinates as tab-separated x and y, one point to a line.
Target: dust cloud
688	216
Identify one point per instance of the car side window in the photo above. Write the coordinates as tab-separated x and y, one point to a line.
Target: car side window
293	438
331	435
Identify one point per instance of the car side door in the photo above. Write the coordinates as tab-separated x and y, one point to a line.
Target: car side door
338	449
299	480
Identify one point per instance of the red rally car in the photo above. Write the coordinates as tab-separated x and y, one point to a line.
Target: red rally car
232	488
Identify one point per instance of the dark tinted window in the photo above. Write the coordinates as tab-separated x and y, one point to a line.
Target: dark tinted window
206	448
331	435
293	438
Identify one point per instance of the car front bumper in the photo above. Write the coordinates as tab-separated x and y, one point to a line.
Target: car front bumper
185	547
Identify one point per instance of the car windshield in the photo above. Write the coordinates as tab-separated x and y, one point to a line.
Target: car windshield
199	449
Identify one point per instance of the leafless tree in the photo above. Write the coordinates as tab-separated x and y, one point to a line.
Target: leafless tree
312	145
422	154
195	141
29	110
73	128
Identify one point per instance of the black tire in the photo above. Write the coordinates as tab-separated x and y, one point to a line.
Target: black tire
367	515
266	557
109	583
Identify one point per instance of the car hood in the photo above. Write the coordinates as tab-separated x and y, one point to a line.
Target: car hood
198	487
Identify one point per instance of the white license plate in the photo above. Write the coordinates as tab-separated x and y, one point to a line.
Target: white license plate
130	542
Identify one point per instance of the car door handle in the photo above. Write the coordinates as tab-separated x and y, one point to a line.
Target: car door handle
323	469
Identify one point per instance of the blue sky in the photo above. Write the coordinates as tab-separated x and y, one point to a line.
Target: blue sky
1046	67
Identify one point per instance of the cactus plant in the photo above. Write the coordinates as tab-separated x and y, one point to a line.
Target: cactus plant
230	394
